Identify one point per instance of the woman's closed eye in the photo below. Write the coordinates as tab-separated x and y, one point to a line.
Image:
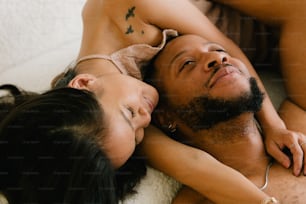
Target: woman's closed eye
131	112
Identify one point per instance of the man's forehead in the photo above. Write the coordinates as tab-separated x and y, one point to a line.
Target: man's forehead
186	40
181	45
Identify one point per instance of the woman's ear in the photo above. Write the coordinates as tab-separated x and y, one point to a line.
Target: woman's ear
82	81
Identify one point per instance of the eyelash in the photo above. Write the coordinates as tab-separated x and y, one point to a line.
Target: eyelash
132	112
193	61
220	50
187	62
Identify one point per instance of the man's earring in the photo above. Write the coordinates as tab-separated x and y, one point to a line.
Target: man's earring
172	127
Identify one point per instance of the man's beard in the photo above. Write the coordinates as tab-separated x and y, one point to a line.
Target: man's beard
204	112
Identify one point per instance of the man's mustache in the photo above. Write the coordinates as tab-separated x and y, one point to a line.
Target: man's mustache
216	68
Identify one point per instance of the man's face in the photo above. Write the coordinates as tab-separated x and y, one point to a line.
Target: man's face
204	112
203	85
190	66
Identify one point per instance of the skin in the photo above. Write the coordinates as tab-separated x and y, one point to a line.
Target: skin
142	21
240	147
290	18
142	16
127	107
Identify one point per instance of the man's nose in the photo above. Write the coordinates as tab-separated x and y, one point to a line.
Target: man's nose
215	59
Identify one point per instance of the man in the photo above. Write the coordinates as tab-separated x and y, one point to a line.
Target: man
208	100
289	18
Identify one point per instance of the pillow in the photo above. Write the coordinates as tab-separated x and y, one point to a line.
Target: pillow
37	73
38	39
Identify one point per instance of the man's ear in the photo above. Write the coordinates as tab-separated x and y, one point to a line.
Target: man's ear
82	81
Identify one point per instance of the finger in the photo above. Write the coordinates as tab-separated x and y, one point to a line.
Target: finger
278	155
303	146
297	153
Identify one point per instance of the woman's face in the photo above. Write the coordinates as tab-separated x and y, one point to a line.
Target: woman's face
128	104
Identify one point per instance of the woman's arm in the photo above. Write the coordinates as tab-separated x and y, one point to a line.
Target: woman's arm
198	170
290	18
184	17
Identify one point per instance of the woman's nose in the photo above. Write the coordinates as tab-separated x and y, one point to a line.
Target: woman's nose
144	117
214	60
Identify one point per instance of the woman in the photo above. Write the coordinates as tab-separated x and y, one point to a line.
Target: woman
111	26
49	149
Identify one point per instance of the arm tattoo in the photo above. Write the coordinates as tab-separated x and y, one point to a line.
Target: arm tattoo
130	13
129	30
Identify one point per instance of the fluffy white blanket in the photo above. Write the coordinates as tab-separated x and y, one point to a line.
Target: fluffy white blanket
39	38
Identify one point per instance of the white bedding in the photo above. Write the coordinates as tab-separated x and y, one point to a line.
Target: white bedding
38	39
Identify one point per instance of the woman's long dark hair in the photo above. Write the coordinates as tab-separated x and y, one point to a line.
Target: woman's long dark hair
49	151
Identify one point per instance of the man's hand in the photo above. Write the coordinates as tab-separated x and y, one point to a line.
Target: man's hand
277	140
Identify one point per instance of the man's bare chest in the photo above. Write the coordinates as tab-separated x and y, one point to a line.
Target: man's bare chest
286	187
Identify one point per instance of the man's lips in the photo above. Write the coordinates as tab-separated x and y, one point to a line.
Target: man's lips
220	72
